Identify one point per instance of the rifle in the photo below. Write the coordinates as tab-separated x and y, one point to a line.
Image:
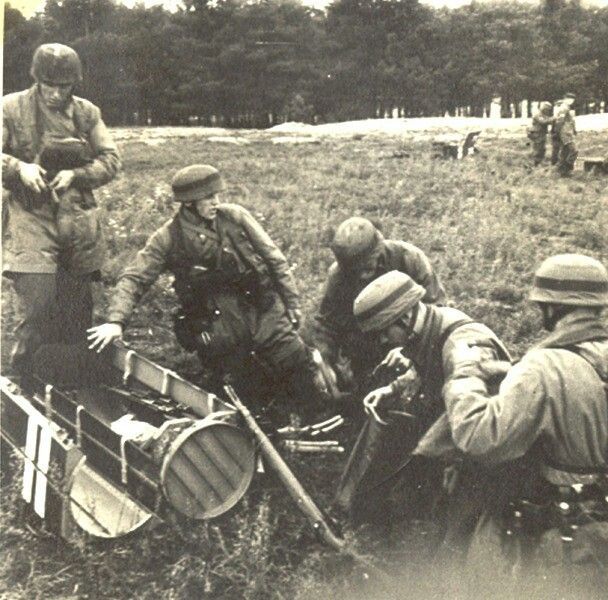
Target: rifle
301	497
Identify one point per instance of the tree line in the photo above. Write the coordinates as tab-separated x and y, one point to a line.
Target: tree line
254	63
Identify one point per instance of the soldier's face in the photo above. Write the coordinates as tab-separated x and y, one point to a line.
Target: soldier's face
367	269
207	208
53	95
394	335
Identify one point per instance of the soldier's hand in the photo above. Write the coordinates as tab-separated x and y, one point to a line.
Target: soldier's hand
295	316
372	401
102	335
32	176
395	359
62	181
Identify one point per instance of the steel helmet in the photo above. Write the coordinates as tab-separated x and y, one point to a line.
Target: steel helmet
354	240
385	299
196	182
571	279
56	64
546	107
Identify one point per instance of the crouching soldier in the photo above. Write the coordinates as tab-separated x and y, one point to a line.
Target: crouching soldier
55	151
537	132
362	254
551	412
239	307
407	455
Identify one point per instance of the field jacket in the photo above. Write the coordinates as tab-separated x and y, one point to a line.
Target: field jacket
39	233
539	126
22	138
565	126
335	327
553	399
235	233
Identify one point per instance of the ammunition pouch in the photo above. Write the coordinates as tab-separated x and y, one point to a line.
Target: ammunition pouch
567	508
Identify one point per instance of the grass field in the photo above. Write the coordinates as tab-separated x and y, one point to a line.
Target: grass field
484	222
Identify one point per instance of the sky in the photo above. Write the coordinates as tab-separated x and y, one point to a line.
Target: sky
28	7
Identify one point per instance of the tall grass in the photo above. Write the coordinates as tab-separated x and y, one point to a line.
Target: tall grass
485	223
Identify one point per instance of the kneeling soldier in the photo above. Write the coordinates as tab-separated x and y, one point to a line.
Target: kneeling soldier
551	412
239	307
429	338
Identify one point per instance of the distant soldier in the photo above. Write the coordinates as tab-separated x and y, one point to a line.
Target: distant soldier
564	130
551	413
55	151
425	341
239	306
537	132
362	254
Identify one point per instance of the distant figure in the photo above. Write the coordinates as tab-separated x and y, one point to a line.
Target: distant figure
537	132
564	132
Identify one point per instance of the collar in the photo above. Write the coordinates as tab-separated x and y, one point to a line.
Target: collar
581	325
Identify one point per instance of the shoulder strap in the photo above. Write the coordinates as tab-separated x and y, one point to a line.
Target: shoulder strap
449	330
179	255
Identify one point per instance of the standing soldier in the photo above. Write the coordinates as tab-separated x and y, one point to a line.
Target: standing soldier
537	132
239	307
55	151
362	254
564	129
425	340
551	412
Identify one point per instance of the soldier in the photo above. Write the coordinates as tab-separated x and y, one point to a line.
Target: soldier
564	129
239	307
537	132
551	412
362	254
55	151
425	341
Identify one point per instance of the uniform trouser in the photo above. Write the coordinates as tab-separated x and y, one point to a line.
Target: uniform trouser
567	158
555	148
55	308
255	343
539	147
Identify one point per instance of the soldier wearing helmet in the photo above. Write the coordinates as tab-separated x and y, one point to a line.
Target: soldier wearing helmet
55	151
551	413
564	136
425	341
239	306
362	254
537	132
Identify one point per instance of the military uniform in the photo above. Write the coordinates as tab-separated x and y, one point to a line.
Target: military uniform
402	463
39	244
537	133
565	131
335	328
234	286
551	414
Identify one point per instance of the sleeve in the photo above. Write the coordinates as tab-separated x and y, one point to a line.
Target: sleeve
273	258
329	324
149	263
106	161
10	164
500	428
416	264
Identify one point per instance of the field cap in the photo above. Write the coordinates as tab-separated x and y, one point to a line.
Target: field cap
570	95
386	299
354	241
572	279
196	182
